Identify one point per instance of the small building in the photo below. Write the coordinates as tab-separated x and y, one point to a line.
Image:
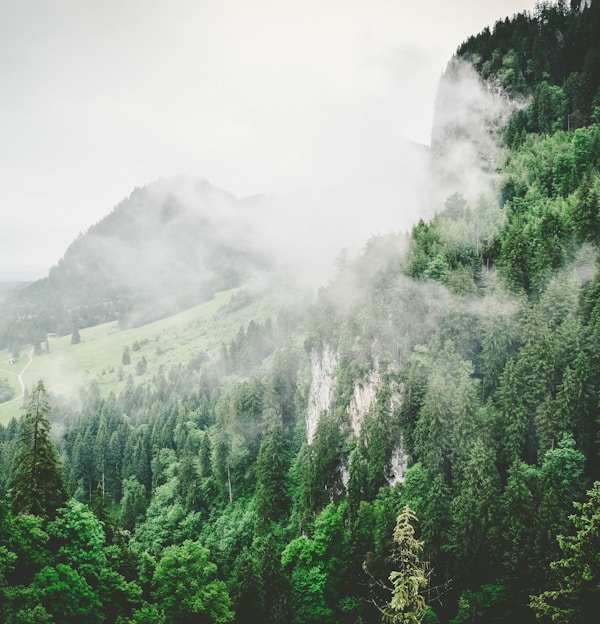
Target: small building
10	360
51	335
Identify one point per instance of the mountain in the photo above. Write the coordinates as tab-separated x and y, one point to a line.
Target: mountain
420	441
169	245
9	287
175	242
550	60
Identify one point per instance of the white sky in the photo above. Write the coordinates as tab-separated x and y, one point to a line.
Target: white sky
273	97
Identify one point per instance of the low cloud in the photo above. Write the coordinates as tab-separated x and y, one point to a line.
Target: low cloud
469	115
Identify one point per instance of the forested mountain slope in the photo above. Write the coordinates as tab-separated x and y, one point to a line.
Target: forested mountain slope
436	432
168	246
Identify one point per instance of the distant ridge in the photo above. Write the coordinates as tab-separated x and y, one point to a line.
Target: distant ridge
168	246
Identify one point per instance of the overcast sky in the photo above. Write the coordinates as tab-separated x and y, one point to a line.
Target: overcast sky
258	96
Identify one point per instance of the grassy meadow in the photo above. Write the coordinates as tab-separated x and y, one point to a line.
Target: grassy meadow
66	367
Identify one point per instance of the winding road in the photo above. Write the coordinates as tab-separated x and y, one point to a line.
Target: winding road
19	376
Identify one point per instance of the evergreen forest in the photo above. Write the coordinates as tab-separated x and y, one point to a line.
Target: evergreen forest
419	443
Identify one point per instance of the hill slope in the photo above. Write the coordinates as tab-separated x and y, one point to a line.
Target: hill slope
168	246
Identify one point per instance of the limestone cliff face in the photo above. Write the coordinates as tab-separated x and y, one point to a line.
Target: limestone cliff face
399	459
363	398
398	466
323	364
320	395
321	390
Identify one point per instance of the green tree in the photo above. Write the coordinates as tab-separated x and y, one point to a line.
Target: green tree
436	526
83	472
166	521
488	604
548	113
36	486
142	366
274	585
7	392
186	587
474	512
575	597
22	554
414	375
323	477
356	489
138	456
407	604
517	507
204	459
66	595
499	340
149	613
381	435
222	464
246	591
561	483
316	568
248	404
80	560
189	483
133	503
585	214
78	538
448	401
271	496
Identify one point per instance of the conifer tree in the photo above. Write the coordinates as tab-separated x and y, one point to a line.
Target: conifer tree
37	485
575	595
271	466
75	336
204	460
407	603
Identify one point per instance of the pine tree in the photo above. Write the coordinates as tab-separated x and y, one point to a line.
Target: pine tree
75	336
271	467
407	603
204	461
37	485
575	596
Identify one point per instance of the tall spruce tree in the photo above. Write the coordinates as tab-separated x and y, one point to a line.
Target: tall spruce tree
37	485
271	487
407	604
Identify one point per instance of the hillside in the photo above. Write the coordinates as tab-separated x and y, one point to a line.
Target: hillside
106	356
418	442
168	246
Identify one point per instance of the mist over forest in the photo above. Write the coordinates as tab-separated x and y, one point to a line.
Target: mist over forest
329	407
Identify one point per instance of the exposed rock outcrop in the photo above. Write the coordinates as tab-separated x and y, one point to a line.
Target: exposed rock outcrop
397	467
320	395
363	398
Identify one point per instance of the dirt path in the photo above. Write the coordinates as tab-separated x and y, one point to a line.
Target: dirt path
19	376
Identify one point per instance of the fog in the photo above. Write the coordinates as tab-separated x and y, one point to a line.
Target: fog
285	99
175	239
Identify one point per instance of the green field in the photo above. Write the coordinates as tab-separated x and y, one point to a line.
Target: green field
176	339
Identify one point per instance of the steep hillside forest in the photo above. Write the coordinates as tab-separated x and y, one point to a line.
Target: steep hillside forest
421	445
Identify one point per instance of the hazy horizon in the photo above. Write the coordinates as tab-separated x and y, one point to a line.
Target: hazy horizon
274	98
